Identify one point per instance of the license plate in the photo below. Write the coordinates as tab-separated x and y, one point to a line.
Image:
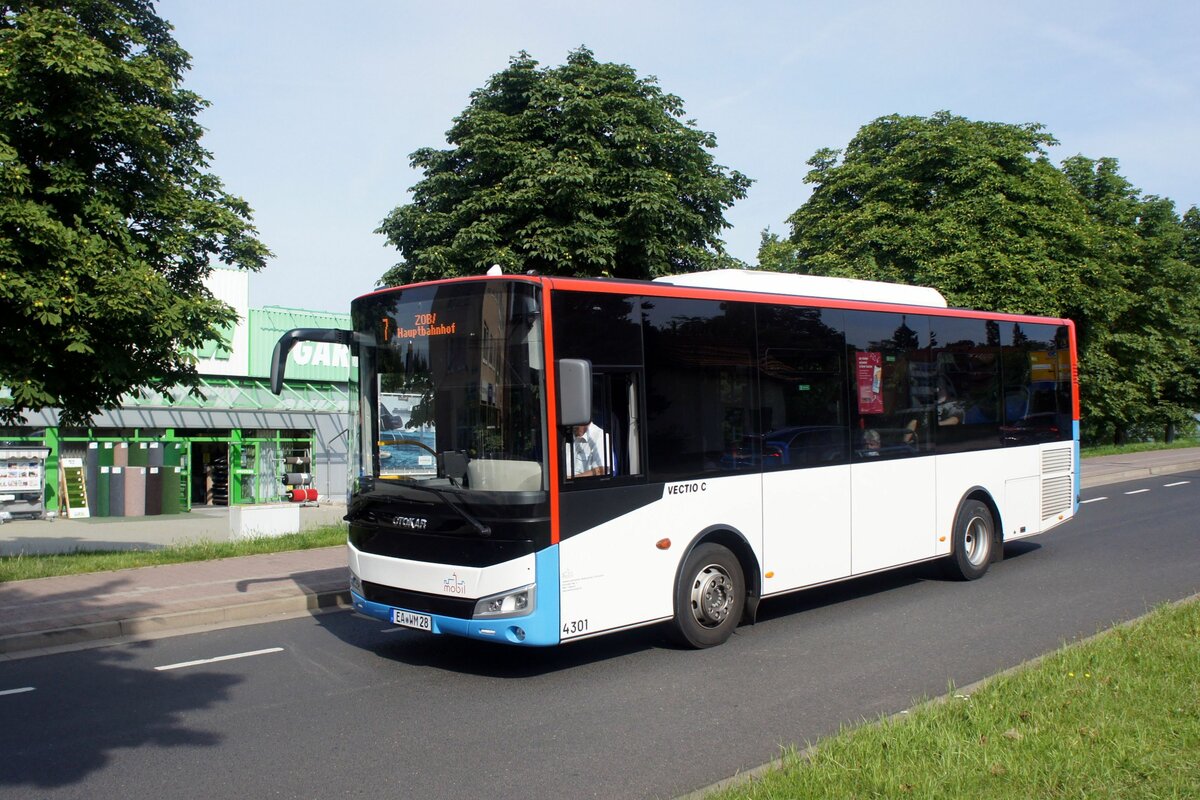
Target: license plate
422	622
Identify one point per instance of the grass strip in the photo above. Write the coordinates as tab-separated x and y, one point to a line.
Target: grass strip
1092	451
1117	716
24	567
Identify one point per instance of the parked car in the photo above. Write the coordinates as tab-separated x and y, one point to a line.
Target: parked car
1033	429
804	445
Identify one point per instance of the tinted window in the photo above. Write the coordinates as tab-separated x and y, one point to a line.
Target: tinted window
606	329
892	384
699	389
967	354
803	414
1036	369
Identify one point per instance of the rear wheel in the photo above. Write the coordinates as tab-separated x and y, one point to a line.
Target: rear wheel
974	540
709	596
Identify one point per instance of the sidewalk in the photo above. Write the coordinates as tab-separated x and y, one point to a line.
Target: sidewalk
135	603
1131	467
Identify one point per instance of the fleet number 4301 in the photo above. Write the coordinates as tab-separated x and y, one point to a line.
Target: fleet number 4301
574	627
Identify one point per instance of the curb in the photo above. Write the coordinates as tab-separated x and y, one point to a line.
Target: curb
149	626
1137	473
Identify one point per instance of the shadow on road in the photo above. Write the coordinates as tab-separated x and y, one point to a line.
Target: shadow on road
485	659
64	716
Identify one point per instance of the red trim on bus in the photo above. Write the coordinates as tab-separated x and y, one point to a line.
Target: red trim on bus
1074	372
461	279
552	449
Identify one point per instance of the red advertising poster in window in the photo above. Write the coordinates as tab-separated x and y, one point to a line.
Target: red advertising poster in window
869	378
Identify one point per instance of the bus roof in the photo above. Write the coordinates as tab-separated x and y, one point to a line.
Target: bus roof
750	280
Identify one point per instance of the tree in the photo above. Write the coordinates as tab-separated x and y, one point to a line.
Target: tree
1145	361
975	209
109	220
584	169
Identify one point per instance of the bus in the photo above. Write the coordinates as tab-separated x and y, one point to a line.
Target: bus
536	460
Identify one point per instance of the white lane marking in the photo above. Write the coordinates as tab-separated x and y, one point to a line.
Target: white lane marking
1093	500
22	690
1138	491
1176	483
203	661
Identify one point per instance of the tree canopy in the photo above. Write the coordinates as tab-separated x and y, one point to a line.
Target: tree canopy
583	169
977	210
109	219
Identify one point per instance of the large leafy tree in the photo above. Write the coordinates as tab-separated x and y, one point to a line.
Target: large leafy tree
1145	361
109	219
975	209
584	169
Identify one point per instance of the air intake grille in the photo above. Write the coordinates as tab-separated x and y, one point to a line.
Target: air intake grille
1056	461
1056	496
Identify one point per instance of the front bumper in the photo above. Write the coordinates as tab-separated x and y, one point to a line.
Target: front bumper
539	628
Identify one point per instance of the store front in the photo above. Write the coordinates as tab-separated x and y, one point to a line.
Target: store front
235	444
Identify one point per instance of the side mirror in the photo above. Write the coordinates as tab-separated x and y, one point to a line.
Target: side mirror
289	339
574	391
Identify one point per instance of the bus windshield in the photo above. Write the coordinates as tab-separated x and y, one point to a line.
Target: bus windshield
450	388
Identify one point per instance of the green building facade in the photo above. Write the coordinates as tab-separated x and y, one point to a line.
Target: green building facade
237	444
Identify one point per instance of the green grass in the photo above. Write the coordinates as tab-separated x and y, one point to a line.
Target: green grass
1088	451
1115	717
23	567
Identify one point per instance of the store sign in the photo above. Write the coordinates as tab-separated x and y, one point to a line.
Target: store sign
320	354
308	361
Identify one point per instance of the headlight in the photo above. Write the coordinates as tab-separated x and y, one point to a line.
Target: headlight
516	603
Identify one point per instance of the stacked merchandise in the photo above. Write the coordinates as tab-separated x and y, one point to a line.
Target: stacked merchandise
134	479
298	480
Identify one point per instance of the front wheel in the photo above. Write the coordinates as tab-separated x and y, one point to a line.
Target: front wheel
709	596
974	540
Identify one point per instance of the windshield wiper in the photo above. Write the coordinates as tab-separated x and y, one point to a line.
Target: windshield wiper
480	528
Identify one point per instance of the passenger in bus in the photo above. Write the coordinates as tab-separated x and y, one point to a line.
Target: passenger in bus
871	443
950	410
587	451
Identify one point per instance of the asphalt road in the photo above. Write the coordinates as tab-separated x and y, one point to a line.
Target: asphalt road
333	706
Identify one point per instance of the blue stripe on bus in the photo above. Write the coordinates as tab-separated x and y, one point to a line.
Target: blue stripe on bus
1079	486
540	628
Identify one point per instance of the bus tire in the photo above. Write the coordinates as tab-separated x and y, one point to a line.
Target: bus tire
710	595
973	543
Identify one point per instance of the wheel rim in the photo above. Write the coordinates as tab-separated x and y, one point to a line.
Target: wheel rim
712	596
977	541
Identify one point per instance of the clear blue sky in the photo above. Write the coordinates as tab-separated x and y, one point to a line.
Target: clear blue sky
316	106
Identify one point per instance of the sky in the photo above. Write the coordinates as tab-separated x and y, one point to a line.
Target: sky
317	106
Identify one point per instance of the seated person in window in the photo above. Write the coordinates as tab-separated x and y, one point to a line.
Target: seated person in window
871	443
587	451
949	410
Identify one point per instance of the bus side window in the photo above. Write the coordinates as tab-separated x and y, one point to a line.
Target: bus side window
701	393
892	382
621	419
616	358
610	447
